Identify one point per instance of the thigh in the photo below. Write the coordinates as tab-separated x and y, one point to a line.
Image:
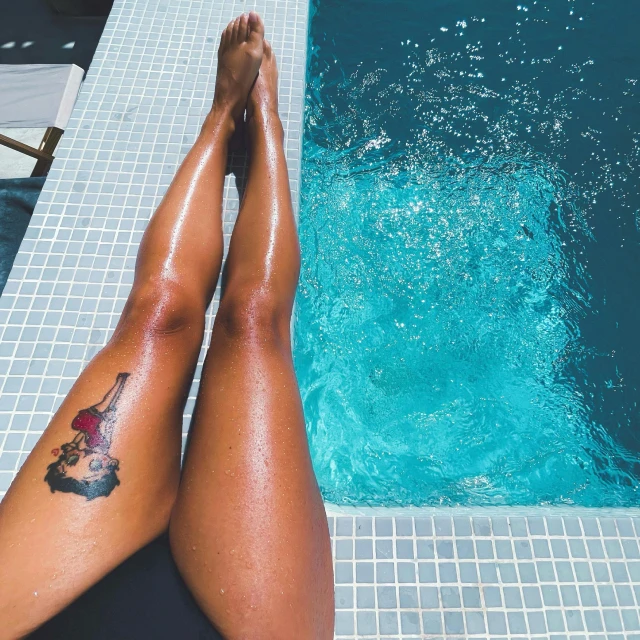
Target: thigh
102	479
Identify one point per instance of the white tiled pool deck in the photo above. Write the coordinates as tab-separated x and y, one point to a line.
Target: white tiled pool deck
557	573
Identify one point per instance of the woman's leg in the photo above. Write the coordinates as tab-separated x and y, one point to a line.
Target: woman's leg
102	480
249	531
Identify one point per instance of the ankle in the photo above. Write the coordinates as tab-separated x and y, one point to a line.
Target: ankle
266	121
219	122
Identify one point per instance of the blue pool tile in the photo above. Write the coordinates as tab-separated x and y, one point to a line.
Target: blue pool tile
572	526
484	549
344	526
550	595
608	527
541	548
475	623
465	549
588	596
388	622
406	572
492	597
444	549
450	597
423	526
468	572
612	621
385	573
384	549
432	622
577	548
427	572
504	549
569	595
532	597
482	526
496	621
508	573
387	598
500	526
564	571
364	572
429	598
404	527
364	549
517	623
364	526
443	526
630	549
365	597
462	526
512	598
488	573
555	620
559	548
625	527
344	625
607	595
555	526
527	572
619	572
630	620
613	548
344	549
343	572
471	597
600	572
518	526
624	595
447	572
384	527
367	623
536	526
409	622
574	620
523	549
453	622
425	548
593	620
408	597
590	527
344	597
537	623
404	549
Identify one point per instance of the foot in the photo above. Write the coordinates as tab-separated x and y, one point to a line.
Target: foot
239	57
262	105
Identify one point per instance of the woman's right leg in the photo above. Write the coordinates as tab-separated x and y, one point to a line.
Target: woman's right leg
102	480
249	531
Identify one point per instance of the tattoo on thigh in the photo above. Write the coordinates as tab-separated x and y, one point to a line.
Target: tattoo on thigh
84	465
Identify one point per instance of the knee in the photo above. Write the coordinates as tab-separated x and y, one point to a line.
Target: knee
164	307
254	313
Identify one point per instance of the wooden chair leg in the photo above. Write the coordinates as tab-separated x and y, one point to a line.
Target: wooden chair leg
48	145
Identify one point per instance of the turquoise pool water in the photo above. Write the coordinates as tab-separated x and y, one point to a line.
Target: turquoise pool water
466	328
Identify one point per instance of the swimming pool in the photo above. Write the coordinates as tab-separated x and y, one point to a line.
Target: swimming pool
465	326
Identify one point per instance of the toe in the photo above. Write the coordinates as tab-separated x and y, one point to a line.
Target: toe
224	38
236	30
256	27
243	31
267	50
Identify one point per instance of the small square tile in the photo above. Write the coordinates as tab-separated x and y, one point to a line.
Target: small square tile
384	527
404	527
593	620
537	623
512	598
492	597
388	622
385	573
408	597
517	623
364	526
364	572
429	598
432	622
404	549
344	526
450	597
364	549
532	597
443	526
409	622
344	549
387	598
344	597
367	624
496	622
423	526
384	549
475	623
471	597
550	595
447	572
344	625
453	622
365	597
425	548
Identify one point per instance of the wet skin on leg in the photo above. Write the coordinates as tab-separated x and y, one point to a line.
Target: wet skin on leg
56	542
249	531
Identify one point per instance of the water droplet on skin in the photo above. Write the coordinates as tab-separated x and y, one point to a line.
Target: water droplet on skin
221	592
193	548
232	552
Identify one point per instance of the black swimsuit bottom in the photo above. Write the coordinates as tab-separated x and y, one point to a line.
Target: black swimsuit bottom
144	598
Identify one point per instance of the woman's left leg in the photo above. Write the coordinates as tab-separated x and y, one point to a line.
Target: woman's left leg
102	480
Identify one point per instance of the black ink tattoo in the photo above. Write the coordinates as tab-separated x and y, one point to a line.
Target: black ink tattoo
84	465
